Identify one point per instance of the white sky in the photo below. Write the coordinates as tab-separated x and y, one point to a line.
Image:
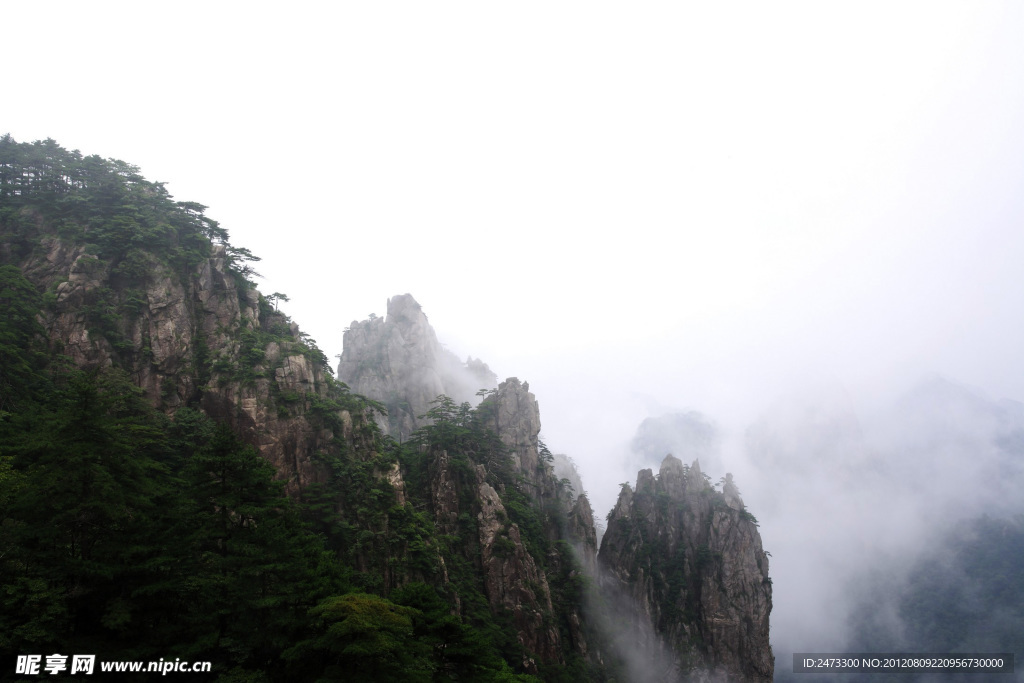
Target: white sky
700	205
636	207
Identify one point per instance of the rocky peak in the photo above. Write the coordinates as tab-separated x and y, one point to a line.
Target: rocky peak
515	416
731	493
583	535
695	482
686	568
398	361
403	309
673	478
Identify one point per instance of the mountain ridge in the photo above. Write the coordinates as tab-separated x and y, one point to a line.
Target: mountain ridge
461	514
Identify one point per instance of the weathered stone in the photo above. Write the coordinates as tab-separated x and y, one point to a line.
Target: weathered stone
689	572
514	415
582	534
178	317
444	495
512	580
731	493
399	362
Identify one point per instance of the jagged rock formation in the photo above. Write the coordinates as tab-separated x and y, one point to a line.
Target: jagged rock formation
398	361
203	337
468	516
732	493
515	579
583	534
682	561
689	570
514	415
512	580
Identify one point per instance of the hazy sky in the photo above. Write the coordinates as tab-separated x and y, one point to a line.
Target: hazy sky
636	207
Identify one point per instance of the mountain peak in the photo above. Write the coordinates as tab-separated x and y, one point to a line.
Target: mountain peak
400	362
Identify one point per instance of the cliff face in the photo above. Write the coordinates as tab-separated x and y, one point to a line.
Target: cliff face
687	566
398	361
534	540
467	502
687	559
201	337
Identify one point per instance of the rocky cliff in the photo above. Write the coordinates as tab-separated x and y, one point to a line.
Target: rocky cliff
491	481
685	565
137	281
398	361
464	508
685	584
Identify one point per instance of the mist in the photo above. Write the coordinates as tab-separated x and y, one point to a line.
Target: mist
856	491
801	222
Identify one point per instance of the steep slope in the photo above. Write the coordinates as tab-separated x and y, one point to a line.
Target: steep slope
135	280
449	539
450	552
685	563
488	484
682	562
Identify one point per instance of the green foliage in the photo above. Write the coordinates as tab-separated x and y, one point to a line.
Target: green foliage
370	639
123	533
21	339
105	203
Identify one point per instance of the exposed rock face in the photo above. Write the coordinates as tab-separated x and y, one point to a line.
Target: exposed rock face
512	579
691	570
514	415
444	494
583	535
399	362
731	493
191	340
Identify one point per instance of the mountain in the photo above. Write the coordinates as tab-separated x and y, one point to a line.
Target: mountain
134	280
183	476
685	566
152	394
397	360
680	567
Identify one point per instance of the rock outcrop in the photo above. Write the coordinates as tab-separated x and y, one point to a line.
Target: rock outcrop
583	535
398	361
201	338
513	581
472	507
689	571
514	415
